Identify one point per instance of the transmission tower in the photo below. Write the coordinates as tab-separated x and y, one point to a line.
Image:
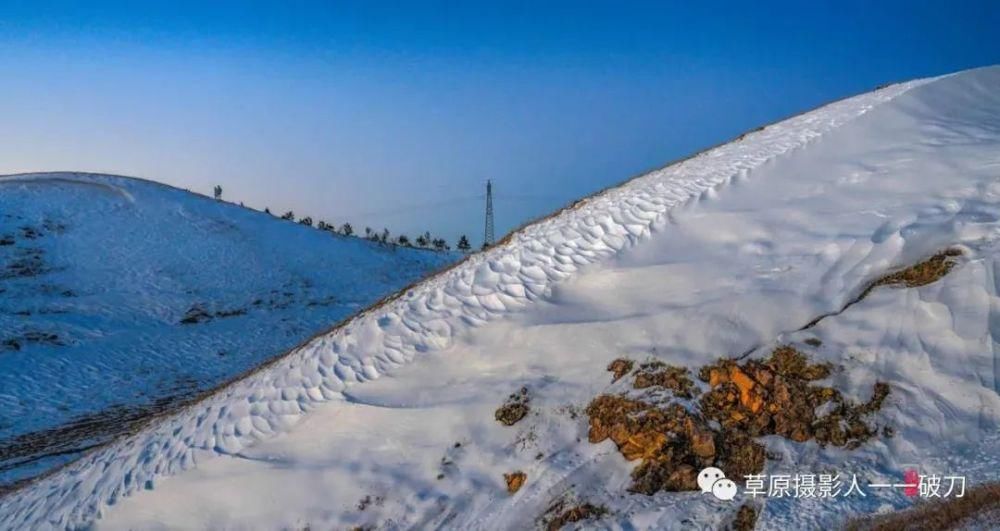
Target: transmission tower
488	233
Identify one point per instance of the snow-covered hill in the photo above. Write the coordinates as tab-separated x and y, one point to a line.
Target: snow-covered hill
391	421
121	298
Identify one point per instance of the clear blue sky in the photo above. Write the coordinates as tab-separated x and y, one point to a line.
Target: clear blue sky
395	114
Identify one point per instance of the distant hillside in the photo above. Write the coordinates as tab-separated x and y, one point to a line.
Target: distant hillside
121	297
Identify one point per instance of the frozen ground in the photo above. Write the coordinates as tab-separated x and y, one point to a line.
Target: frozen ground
388	421
97	275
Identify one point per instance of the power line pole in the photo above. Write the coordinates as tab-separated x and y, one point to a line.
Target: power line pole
488	233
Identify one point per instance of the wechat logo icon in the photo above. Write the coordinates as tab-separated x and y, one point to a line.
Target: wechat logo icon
714	480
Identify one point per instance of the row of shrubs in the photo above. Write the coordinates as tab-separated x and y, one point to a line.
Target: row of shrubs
423	241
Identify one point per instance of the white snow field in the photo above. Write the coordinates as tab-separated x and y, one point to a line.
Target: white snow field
98	274
388	421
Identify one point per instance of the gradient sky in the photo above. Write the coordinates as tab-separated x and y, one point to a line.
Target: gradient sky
395	114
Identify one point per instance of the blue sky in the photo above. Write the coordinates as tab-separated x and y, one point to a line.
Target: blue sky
395	114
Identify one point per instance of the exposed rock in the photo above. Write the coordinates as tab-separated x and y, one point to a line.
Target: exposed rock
657	373
702	440
773	396
515	480
642	445
670	442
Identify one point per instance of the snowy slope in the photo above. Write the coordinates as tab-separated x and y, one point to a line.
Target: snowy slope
729	252
97	275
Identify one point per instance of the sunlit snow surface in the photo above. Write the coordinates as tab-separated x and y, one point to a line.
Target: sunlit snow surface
97	273
727	252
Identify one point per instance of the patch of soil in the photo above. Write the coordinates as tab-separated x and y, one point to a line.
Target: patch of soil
449	460
526	439
32	336
198	314
774	396
367	501
619	368
30	233
325	301
53	226
560	515
11	344
745	519
570	410
659	374
514	481
55	290
514	409
28	264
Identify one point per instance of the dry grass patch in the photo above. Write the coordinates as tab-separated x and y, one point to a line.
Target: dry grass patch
514	409
558	515
619	368
982	503
654	374
920	274
776	396
745	519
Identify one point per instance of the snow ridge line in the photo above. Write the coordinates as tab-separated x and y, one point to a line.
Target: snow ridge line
82	179
520	270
